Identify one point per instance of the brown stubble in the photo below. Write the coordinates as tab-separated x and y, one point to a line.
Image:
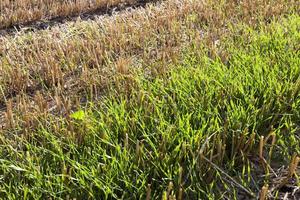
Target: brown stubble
26	11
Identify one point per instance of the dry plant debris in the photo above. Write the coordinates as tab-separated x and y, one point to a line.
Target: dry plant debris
18	12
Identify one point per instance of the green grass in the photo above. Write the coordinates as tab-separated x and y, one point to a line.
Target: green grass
174	127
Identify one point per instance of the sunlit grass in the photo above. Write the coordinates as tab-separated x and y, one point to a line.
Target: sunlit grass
193	131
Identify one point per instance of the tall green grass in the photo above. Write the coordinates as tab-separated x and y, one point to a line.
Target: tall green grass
193	130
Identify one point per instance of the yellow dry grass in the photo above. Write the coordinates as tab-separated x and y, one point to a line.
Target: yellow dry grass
24	11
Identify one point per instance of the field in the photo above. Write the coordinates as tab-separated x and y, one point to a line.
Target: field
24	12
174	99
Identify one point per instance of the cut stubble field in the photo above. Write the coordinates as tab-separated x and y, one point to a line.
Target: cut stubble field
177	100
20	13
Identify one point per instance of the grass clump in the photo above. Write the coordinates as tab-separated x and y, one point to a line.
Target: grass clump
206	128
